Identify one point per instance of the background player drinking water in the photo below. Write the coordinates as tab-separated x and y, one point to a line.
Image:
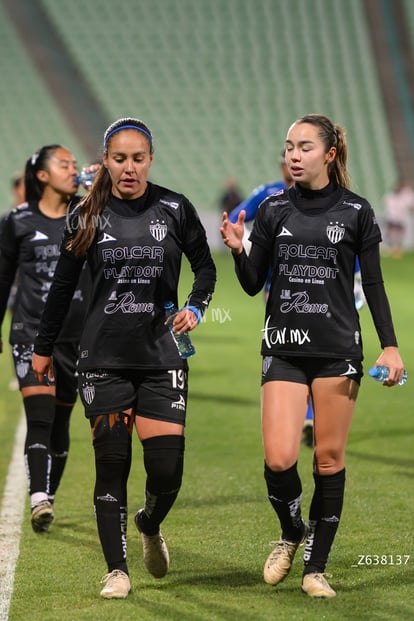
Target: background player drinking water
30	243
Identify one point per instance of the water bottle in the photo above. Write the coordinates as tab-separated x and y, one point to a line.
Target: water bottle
86	178
183	341
380	374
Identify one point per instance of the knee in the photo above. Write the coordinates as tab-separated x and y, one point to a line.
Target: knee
164	461
111	452
111	439
40	411
280	460
327	462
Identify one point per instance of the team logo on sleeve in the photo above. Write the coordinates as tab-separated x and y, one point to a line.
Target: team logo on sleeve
335	232
158	229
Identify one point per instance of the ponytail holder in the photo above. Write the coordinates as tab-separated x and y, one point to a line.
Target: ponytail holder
195	311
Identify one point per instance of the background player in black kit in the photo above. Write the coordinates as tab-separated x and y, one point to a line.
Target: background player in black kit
30	241
133	234
310	235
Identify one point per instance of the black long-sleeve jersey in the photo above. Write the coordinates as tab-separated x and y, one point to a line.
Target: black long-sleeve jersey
30	242
135	262
311	252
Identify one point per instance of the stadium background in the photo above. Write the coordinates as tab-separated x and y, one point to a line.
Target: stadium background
218	82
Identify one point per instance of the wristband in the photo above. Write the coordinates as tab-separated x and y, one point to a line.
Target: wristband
195	311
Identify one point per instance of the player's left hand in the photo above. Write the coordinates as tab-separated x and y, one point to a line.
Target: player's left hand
184	320
43	369
391	358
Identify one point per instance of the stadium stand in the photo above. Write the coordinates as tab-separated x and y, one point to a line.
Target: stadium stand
220	81
409	14
29	116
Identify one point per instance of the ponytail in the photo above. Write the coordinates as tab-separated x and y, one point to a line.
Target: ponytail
332	136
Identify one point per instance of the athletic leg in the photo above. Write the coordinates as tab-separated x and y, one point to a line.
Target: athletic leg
284	407
59	445
40	410
164	463
107	396
162	402
112	445
334	402
65	357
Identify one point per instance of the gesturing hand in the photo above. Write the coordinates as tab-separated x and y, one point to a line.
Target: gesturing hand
232	234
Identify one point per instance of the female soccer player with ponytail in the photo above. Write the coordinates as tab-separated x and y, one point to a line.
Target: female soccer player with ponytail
133	234
310	235
30	241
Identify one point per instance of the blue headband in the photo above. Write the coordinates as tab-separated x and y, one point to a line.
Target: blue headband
118	129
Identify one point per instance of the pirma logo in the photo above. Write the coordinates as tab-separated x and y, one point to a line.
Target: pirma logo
39	236
106	238
180	404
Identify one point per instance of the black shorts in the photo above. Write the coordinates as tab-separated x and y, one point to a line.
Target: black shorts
161	395
65	359
303	370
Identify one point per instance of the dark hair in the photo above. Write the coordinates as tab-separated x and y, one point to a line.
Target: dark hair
91	206
38	161
332	136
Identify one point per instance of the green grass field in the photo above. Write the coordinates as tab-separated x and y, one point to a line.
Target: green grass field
221	526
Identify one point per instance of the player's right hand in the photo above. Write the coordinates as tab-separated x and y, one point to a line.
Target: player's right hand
232	234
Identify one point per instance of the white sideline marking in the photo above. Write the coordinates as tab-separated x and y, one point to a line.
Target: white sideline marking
11	517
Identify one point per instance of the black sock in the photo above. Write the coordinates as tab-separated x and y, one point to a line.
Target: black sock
285	494
111	519
164	462
59	445
40	411
324	515
112	463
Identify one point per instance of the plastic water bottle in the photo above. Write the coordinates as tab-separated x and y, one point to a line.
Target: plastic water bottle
380	374
86	178
183	341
